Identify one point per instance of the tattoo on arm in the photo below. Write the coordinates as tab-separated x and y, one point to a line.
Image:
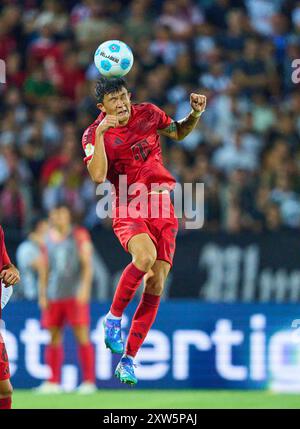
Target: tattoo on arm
186	126
170	131
178	130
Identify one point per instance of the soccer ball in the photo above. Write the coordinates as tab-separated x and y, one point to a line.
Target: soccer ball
113	58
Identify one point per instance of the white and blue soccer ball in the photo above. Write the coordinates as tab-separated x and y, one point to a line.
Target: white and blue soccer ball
113	58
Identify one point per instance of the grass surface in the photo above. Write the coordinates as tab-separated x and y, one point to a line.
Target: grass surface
153	399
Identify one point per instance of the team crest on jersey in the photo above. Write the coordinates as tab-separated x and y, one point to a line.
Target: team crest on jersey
89	149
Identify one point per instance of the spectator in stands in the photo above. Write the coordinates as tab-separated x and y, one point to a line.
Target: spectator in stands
240	53
273	221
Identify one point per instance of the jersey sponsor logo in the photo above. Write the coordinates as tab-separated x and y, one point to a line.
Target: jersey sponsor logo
141	150
89	149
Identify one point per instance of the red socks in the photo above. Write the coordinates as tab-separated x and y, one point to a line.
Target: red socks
5	403
142	321
128	284
145	313
87	362
54	357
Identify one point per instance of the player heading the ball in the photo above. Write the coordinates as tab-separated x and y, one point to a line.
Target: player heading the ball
125	139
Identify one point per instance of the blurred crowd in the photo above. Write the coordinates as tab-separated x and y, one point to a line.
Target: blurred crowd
238	52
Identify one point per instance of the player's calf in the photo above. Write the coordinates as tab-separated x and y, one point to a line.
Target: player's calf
6	392
154	284
141	324
129	282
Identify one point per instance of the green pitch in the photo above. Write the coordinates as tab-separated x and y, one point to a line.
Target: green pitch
152	399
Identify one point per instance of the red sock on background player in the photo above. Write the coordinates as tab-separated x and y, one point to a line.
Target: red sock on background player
142	321
5	403
54	356
127	286
87	362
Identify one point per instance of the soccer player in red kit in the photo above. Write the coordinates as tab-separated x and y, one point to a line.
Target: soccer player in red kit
124	140
9	276
65	295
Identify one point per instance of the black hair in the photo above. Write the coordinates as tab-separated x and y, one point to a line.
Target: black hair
61	205
107	86
36	220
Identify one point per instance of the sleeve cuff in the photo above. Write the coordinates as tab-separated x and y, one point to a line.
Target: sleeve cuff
87	159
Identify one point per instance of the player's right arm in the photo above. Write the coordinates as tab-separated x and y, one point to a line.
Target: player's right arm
97	165
43	273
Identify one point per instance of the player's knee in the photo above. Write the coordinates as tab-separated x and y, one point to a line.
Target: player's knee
82	336
145	260
56	338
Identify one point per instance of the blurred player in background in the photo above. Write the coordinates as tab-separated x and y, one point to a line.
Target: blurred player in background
65	298
30	259
9	276
124	140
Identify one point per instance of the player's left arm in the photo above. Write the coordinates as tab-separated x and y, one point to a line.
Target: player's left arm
178	130
86	273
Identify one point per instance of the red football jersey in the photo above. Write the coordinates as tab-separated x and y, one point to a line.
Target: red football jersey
133	150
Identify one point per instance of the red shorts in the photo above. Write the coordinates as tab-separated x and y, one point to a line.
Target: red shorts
4	364
63	311
162	230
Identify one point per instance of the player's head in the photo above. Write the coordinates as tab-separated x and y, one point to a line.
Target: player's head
39	225
60	217
113	98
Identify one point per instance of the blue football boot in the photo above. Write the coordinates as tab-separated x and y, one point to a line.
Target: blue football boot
125	371
113	335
